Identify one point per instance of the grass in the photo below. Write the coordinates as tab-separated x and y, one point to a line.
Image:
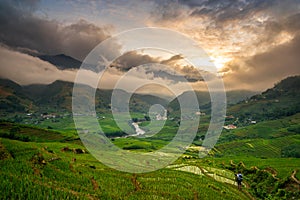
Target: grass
283	166
298	173
262	148
262	145
266	129
31	133
23	176
64	125
269	139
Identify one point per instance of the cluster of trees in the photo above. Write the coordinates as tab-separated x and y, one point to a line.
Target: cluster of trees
116	134
292	150
15	134
264	184
11	104
146	118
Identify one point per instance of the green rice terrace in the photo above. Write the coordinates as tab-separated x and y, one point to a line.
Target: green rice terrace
42	156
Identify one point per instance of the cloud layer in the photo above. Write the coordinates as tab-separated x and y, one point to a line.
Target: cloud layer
254	43
20	28
25	69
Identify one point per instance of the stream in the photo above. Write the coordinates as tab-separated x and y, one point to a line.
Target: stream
138	130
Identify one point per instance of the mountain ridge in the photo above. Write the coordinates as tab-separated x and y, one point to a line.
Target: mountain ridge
58	95
278	101
61	61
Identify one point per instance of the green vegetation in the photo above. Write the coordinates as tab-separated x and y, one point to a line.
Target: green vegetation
64	174
29	133
41	155
280	101
43	170
264	178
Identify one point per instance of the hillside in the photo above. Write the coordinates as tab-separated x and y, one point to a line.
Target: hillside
12	98
280	101
49	164
63	170
204	100
272	138
42	150
57	96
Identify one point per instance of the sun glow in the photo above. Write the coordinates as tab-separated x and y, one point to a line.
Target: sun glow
220	61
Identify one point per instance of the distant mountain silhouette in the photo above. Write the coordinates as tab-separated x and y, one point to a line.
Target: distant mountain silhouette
58	96
62	61
204	100
281	100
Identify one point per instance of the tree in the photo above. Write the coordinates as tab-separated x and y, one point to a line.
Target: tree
147	118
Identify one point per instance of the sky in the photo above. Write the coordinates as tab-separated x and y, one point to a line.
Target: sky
252	43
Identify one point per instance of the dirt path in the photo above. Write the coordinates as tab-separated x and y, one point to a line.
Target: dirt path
272	171
294	178
204	172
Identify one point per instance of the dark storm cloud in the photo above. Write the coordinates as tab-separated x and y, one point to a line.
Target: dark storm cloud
172	60
132	59
218	10
167	10
262	70
230	10
271	54
292	23
284	59
166	68
21	29
221	11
